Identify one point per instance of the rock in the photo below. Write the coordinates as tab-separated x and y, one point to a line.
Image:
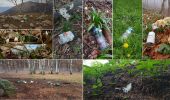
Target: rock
1	92
47	23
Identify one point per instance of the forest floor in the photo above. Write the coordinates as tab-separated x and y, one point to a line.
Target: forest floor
143	88
25	44
45	86
72	49
26	21
90	45
162	37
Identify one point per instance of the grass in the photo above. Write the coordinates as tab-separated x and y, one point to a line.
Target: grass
127	14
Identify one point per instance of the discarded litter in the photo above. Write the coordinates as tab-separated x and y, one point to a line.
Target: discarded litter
127	88
100	38
26	47
151	38
127	33
66	37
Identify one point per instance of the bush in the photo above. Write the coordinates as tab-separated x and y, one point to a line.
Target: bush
7	86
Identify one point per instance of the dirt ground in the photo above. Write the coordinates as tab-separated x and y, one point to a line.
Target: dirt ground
148	88
42	88
26	21
90	45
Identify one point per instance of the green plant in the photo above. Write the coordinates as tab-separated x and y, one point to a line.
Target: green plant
7	86
98	20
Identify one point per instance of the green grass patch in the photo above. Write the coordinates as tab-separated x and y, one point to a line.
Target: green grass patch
127	14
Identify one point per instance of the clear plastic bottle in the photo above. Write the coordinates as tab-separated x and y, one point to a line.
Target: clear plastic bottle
127	33
100	38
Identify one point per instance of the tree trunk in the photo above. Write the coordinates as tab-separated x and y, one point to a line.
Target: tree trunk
56	67
162	7
71	64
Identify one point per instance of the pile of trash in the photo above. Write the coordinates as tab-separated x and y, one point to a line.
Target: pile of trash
159	38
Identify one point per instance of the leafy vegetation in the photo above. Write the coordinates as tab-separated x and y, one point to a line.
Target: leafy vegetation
7	86
98	20
121	71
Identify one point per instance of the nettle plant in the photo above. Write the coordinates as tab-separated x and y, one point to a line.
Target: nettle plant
151	68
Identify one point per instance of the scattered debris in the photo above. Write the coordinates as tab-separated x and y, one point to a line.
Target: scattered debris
66	37
127	88
151	38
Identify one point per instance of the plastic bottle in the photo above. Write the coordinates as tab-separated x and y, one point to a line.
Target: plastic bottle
100	38
66	37
127	33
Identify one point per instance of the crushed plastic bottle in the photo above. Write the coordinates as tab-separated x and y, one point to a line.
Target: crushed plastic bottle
127	33
151	38
100	38
66	37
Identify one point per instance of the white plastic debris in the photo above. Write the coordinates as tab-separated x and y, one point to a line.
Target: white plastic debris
71	6
7	40
46	32
24	81
127	88
127	33
66	37
16	39
154	26
151	38
26	47
31	81
63	12
17	49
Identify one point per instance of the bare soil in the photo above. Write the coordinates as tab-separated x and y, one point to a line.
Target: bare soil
41	89
26	21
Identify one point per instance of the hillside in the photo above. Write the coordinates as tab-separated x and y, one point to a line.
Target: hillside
30	7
